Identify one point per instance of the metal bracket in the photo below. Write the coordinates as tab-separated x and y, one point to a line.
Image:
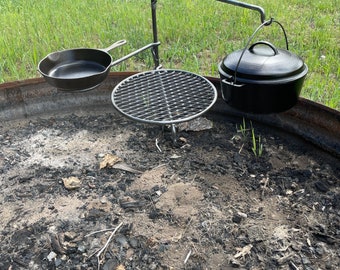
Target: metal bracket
249	6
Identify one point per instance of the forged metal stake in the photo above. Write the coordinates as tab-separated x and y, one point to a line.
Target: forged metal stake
155	54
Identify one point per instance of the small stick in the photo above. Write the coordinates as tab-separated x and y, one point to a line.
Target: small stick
107	243
105	230
187	257
159	149
94	253
241	149
98	262
292	265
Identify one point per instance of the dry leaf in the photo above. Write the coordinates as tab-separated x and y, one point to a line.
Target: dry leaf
243	251
120	267
109	160
71	182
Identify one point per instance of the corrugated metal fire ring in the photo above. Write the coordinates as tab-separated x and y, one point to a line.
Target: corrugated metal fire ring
164	96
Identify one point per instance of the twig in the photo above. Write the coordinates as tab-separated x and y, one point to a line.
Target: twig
293	266
159	149
98	263
94	253
109	240
284	259
241	148
187	257
107	243
105	230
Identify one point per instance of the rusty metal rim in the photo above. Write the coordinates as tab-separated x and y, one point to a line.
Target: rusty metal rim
316	123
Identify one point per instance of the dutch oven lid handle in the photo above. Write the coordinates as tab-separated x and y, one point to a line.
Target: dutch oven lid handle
275	50
266	23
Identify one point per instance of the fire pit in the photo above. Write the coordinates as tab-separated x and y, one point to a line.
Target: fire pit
88	185
84	187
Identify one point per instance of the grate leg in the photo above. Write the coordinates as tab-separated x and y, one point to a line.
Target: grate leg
173	134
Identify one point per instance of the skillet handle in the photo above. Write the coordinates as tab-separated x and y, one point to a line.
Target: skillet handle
116	62
115	45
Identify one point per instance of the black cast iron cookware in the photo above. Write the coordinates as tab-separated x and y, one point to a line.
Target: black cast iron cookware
77	69
262	79
81	69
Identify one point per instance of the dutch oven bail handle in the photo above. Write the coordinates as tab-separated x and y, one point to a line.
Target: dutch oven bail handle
264	23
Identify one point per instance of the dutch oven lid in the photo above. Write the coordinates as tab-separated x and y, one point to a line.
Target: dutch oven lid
262	61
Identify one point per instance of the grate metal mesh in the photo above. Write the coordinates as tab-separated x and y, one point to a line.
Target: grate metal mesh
164	96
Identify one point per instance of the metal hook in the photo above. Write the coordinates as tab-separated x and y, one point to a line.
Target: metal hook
249	6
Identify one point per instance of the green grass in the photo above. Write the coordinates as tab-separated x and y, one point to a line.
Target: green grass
195	35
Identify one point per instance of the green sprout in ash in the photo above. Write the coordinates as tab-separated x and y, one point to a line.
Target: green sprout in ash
247	133
257	146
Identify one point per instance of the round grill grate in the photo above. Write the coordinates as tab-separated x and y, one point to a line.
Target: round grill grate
164	96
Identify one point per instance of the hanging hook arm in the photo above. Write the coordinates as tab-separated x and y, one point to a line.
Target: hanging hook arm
249	6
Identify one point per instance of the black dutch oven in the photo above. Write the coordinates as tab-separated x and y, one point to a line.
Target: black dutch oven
262	78
266	80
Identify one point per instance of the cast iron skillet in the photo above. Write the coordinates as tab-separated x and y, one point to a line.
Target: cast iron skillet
77	69
81	69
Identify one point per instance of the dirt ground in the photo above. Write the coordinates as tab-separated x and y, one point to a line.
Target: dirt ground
98	191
